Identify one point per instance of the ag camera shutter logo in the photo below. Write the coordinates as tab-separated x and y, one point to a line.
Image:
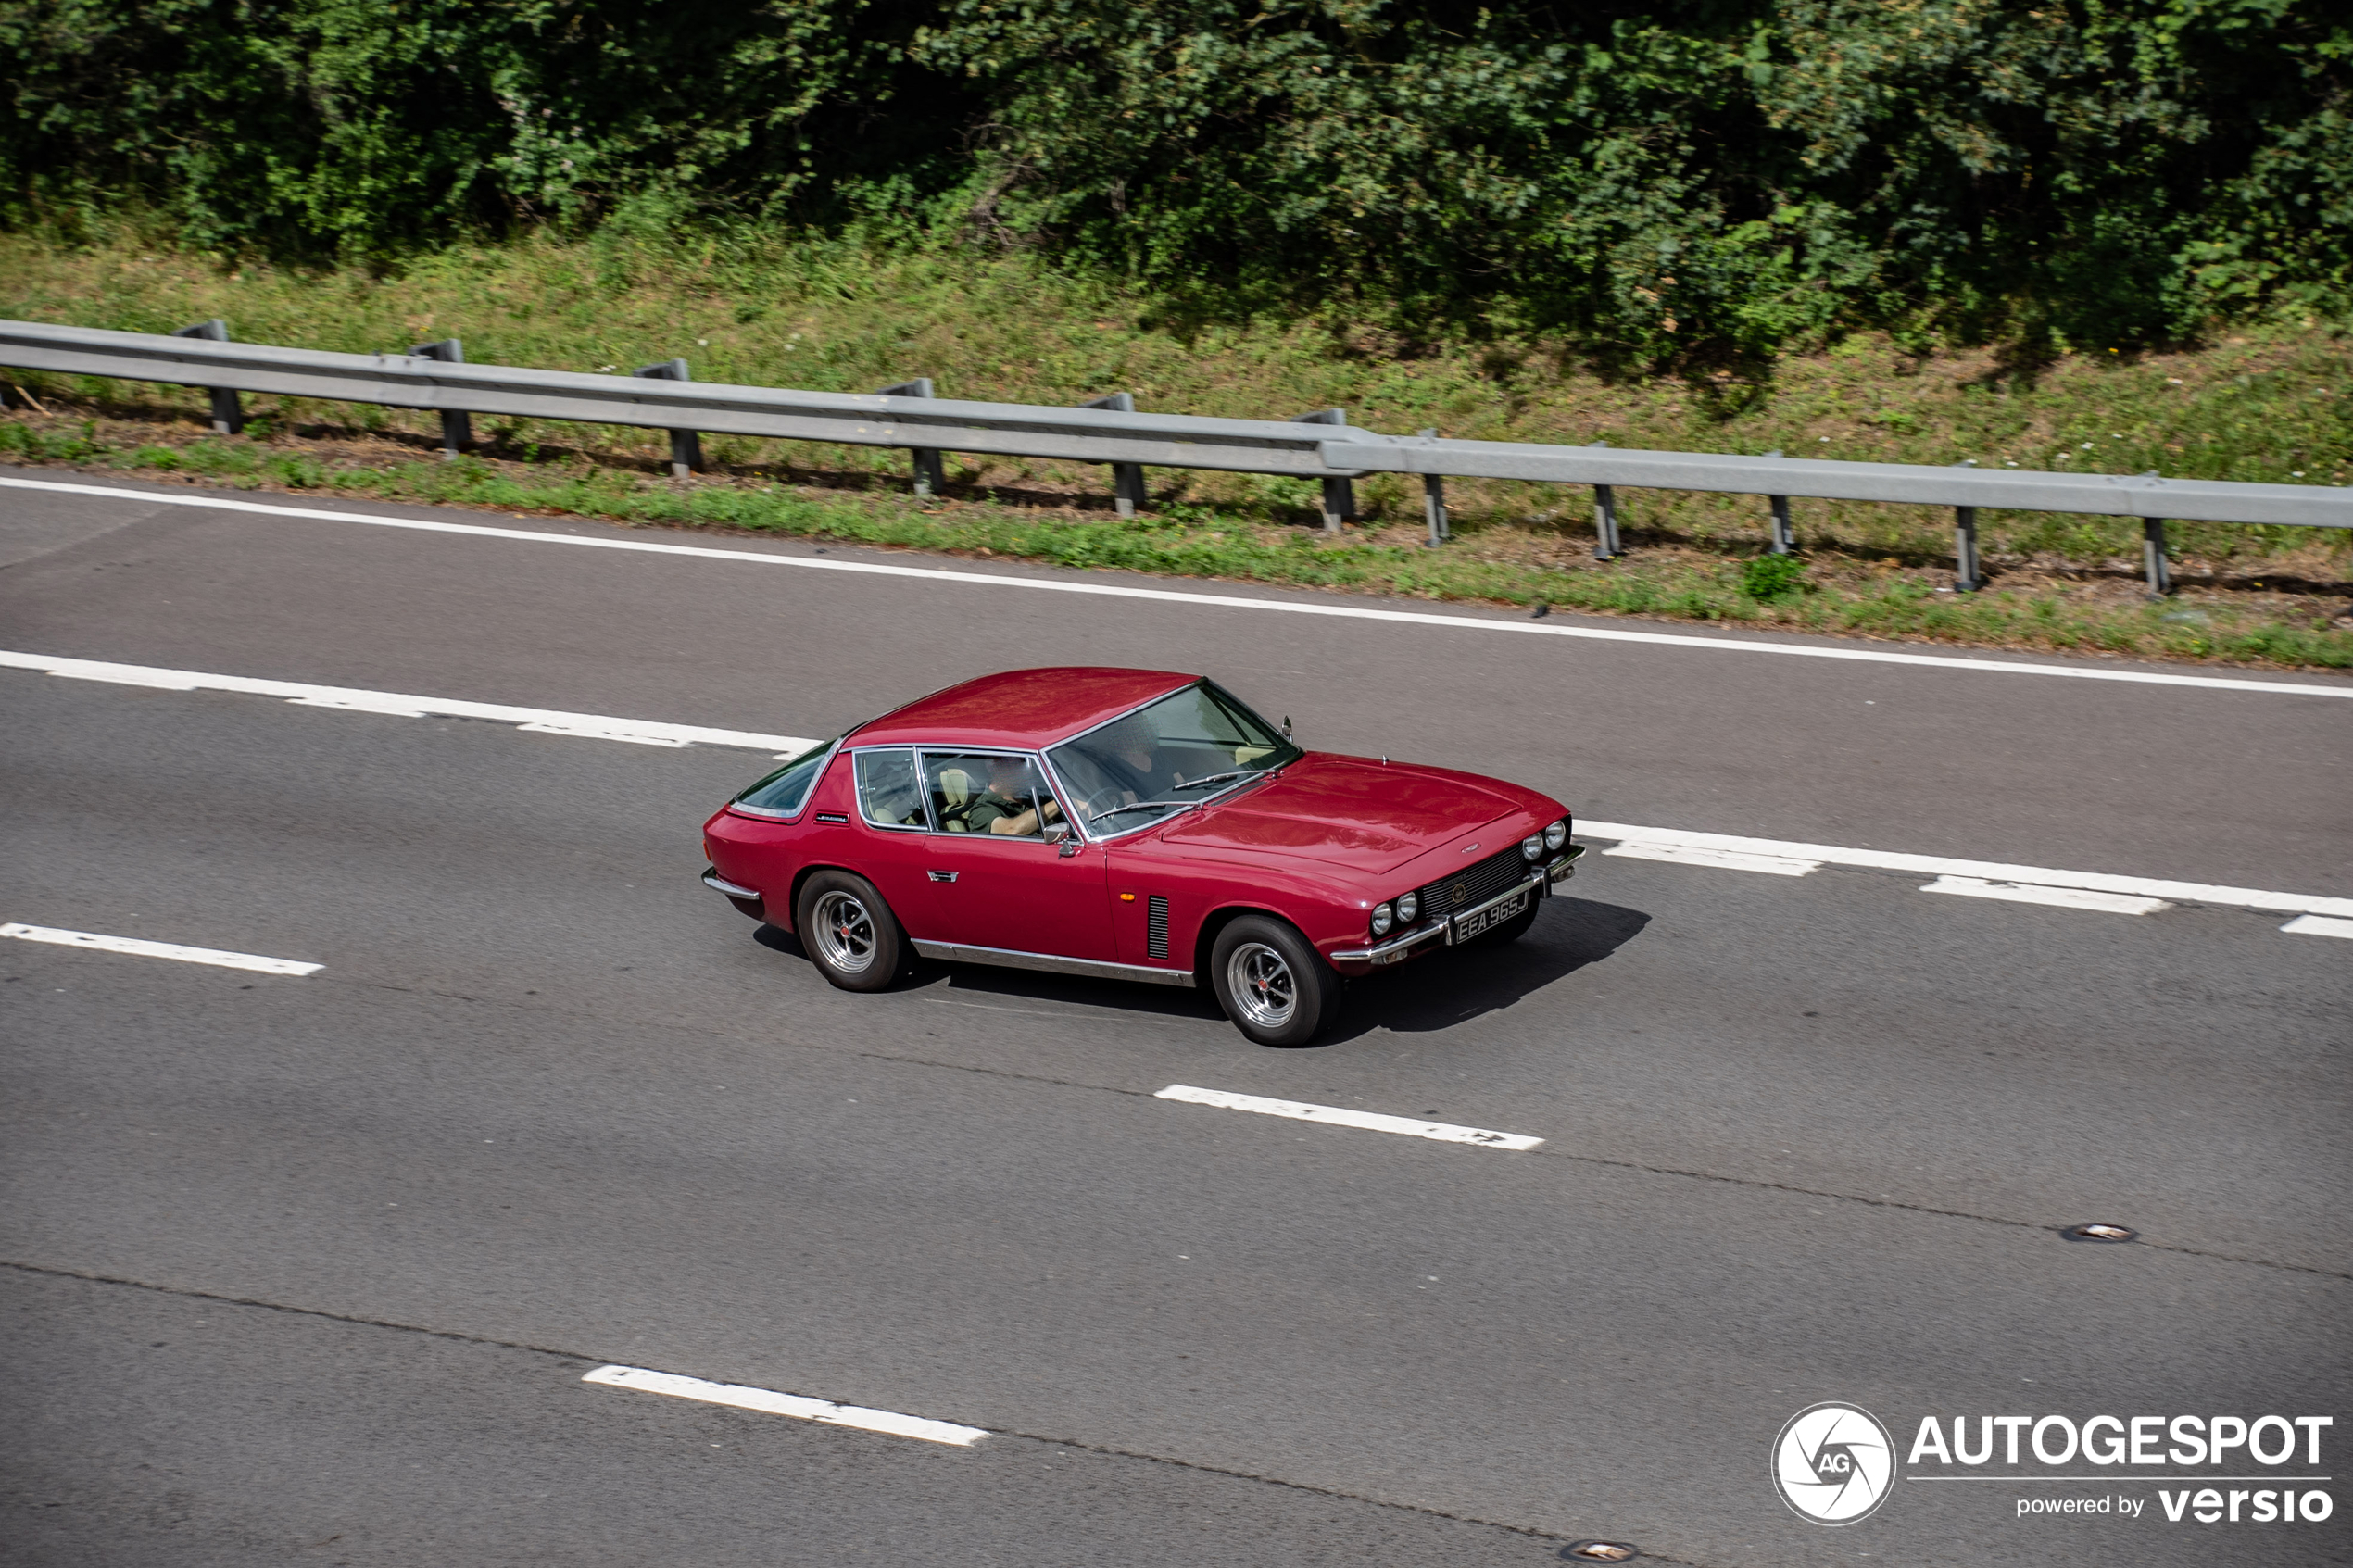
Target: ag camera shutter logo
1834	1463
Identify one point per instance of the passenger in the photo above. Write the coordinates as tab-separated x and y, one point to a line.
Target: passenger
1009	806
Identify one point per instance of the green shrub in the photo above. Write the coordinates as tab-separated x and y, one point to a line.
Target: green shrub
1771	579
1689	177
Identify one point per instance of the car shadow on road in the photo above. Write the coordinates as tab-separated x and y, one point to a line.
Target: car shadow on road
1452	986
1447	988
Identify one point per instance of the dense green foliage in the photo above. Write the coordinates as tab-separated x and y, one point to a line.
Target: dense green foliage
1694	177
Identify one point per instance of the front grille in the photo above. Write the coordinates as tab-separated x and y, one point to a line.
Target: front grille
1156	927
1475	884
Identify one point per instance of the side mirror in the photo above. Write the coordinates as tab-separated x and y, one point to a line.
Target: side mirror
1057	832
1287	726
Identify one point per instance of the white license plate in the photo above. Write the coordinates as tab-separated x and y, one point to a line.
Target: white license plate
1468	926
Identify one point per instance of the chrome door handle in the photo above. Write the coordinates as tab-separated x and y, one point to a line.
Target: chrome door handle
942	877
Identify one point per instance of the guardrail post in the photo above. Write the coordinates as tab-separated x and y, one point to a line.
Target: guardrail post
931	474
1127	479
1339	495
1434	502
1968	576
456	425
1784	536
228	413
2153	561
1605	543
685	445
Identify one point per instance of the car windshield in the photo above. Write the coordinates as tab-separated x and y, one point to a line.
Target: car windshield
1190	746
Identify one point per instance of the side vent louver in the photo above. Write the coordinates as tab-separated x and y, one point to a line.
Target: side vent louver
1156	928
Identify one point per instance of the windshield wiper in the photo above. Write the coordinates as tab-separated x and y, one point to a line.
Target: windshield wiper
1138	806
1221	778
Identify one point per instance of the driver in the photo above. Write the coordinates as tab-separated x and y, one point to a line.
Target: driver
1008	806
1129	755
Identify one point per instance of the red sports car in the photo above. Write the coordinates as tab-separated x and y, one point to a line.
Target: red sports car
1132	824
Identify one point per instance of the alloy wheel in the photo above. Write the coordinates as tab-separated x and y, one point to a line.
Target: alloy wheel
1262	984
845	932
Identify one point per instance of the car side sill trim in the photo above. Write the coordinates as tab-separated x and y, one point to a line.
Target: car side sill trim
1006	958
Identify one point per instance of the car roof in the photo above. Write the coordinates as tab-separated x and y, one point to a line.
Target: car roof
1021	709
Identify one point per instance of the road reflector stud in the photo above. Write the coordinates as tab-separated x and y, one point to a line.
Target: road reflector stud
1600	1552
2099	1231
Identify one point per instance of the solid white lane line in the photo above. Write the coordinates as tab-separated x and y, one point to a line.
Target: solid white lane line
794	1404
2319	926
1220	601
539	721
1983	871
2058	898
138	948
1725	859
1339	1117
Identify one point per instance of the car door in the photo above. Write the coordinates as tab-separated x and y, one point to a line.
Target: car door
893	829
997	872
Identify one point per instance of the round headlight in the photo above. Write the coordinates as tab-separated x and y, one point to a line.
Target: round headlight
1408	905
1383	917
1557	835
1532	847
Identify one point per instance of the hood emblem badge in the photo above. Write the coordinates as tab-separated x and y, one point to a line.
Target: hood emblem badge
1470	847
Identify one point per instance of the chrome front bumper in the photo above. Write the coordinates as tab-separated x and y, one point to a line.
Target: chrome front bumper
1396	949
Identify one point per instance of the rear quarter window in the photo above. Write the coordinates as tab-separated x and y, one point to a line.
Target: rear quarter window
784	791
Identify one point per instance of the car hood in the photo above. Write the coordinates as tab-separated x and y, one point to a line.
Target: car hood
1350	811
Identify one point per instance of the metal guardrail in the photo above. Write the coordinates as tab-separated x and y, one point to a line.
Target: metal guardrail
1319	446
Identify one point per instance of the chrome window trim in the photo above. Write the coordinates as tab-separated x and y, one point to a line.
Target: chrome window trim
1052	963
857	791
1054	785
766	815
1065	795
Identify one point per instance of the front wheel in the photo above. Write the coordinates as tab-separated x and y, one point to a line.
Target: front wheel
849	931
1275	986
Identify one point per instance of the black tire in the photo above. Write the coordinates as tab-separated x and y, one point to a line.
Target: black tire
849	933
1510	931
1275	986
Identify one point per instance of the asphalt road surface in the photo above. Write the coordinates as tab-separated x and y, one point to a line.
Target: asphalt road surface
311	1269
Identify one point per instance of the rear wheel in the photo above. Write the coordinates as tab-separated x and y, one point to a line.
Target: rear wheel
1275	986
849	933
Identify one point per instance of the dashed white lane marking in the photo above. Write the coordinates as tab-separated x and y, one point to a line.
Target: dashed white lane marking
139	948
2058	898
1722	859
794	1404
2319	926
1715	848
1214	601
1982	870
1341	1117
539	721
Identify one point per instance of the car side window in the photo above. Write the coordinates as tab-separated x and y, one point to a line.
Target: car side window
888	795
996	793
